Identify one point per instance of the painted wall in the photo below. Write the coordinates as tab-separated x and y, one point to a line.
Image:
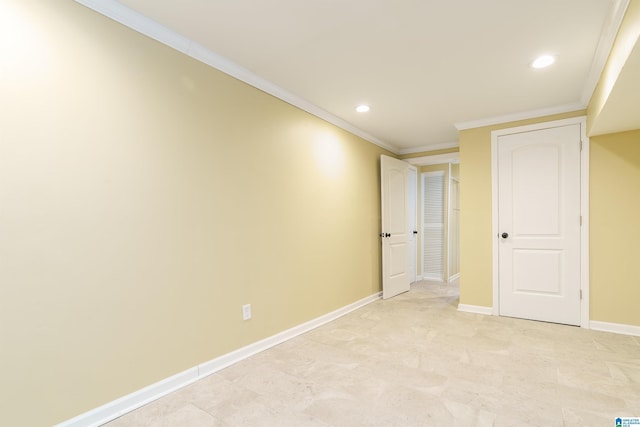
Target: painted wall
475	210
615	229
144	197
614	183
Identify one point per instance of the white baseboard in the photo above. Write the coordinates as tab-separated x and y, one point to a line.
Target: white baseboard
454	277
135	400
229	359
419	278
477	309
616	328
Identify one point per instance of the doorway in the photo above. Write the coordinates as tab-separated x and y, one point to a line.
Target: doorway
437	242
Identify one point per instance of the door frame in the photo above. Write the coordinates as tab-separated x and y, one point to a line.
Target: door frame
584	208
455	276
429	159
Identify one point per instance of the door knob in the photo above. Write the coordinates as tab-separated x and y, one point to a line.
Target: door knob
415	232
387	235
505	235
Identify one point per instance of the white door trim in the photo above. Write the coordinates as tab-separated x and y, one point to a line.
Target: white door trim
584	208
447	274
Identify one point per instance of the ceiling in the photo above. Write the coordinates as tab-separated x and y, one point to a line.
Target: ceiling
620	95
423	66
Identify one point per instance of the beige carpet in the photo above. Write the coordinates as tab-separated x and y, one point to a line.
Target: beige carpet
415	360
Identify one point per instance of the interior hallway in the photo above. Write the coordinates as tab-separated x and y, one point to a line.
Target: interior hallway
415	360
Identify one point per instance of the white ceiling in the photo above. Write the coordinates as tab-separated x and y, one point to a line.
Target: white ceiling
422	65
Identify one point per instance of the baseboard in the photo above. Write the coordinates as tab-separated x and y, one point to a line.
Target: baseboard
137	399
229	359
477	309
616	328
419	278
454	277
133	401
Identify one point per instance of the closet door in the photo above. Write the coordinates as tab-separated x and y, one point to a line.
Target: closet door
433	186
539	224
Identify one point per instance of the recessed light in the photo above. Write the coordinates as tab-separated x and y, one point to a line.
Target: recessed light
543	61
362	108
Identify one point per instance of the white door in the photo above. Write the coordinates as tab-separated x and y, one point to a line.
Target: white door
413	223
395	236
539	224
433	188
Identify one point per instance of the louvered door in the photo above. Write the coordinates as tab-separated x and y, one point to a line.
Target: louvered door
433	225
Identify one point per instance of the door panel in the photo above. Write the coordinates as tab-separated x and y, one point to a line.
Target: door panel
539	214
395	240
433	231
536	174
413	222
396	207
537	271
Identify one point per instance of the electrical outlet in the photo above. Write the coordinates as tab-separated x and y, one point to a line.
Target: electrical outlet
246	312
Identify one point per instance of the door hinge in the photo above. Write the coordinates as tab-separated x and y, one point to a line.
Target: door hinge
580	145
581	294
580	220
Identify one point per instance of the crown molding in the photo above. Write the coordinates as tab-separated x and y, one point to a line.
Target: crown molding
605	43
430	147
150	28
533	114
435	159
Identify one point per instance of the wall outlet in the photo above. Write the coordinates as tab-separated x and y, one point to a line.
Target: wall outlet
246	312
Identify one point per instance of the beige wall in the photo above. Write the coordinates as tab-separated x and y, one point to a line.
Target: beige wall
131	229
615	229
475	210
